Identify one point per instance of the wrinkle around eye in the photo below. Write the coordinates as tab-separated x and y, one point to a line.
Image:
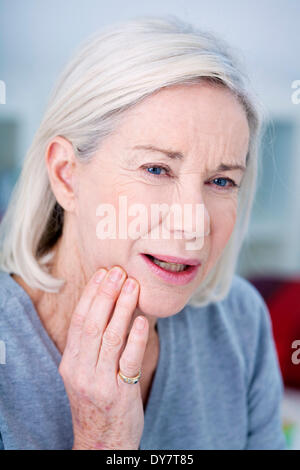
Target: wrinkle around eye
134	176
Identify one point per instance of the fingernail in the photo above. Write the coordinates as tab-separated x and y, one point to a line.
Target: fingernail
115	274
140	323
129	286
100	275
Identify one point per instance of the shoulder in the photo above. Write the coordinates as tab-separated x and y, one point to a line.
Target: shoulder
13	299
251	321
242	308
238	324
6	289
248	313
243	292
244	304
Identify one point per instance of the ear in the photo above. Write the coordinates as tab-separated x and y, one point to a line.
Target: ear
61	166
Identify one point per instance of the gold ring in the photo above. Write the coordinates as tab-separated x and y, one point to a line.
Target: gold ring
130	380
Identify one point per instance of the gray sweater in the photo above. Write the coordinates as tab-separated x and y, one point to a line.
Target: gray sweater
217	384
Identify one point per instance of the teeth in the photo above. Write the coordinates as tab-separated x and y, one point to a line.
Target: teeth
169	266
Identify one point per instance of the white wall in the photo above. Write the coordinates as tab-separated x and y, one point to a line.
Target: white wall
37	37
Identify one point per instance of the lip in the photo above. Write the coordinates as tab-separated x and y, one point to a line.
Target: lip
174	259
180	278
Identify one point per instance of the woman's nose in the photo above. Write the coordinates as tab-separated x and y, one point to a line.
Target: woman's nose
188	217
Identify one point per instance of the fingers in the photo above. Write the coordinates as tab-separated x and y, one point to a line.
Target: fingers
115	335
133	354
98	316
80	312
99	327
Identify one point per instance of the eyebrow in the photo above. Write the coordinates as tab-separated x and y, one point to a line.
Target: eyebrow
179	156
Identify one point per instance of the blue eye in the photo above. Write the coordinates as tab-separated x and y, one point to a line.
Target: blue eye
223	182
220	183
157	170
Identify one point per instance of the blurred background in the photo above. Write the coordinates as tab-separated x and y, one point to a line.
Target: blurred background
37	37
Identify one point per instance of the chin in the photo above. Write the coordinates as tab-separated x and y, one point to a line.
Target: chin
160	306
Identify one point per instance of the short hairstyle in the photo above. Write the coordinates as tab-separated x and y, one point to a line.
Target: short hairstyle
113	71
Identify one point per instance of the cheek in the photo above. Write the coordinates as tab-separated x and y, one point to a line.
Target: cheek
223	218
100	208
91	194
133	202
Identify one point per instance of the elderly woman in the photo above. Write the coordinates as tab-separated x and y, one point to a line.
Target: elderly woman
125	339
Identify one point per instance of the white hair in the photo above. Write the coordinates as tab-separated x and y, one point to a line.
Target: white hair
114	70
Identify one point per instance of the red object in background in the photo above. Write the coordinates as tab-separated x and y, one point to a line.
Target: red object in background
283	300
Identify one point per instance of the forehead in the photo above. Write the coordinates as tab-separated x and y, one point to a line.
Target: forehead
198	118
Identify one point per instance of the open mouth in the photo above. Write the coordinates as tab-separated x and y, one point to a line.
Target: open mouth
172	273
171	267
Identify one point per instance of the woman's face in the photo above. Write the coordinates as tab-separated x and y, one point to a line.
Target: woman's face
208	127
